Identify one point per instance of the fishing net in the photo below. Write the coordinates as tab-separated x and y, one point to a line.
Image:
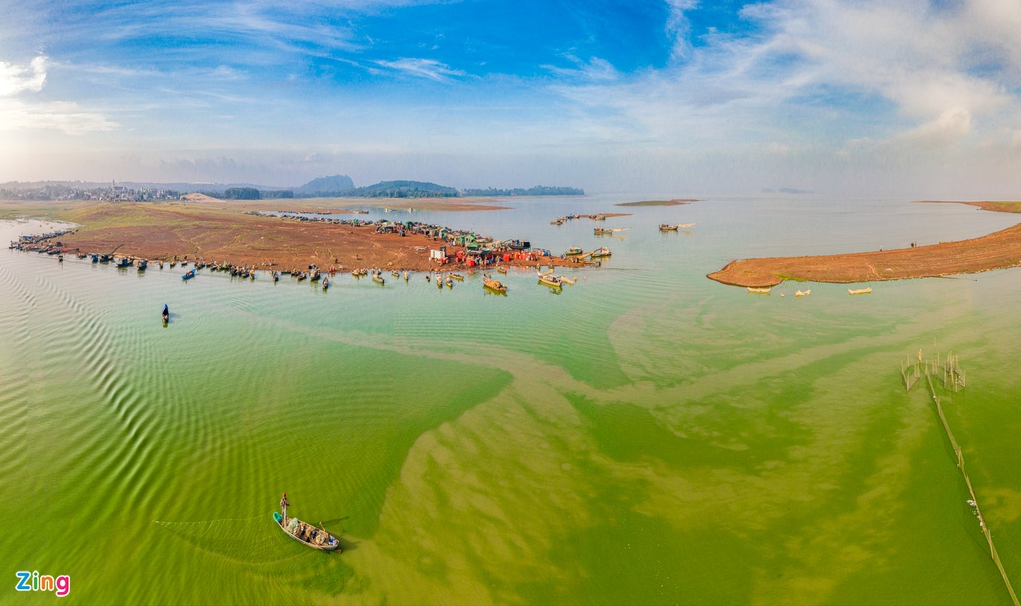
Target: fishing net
251	540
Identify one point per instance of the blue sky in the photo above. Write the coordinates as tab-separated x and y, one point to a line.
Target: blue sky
679	97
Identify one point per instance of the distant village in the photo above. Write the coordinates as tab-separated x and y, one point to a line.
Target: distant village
111	193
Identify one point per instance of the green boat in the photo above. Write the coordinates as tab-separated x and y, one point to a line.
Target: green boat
313	537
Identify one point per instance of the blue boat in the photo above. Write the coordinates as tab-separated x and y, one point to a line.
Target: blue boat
189	275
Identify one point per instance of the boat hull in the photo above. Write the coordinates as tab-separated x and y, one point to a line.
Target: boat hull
334	544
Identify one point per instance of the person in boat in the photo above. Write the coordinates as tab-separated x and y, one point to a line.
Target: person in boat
166	312
283	505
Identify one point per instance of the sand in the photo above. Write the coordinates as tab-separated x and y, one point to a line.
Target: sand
998	250
213	231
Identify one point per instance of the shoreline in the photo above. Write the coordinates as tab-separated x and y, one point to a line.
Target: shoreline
998	250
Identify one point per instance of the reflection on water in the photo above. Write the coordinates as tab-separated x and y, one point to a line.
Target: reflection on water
646	436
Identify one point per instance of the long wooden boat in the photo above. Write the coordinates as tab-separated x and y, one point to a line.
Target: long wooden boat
759	291
494	285
189	275
600	252
457	277
378	279
575	250
860	291
668	227
602	231
502	269
307	534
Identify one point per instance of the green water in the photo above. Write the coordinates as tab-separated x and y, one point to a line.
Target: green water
645	436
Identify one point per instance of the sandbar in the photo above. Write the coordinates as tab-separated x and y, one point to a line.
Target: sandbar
674	202
215	231
998	250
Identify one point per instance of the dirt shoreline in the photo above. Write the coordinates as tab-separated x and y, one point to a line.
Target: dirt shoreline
999	250
214	231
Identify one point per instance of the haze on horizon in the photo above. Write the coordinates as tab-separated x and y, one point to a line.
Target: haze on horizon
916	98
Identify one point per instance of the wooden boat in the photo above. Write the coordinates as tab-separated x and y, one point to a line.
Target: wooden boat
276	276
759	291
803	294
668	227
166	314
326	284
378	279
602	231
860	291
316	275
457	277
439	281
95	258
450	282
575	250
142	264
124	263
494	285
550	280
305	533
602	251
189	275
502	269
396	273
405	276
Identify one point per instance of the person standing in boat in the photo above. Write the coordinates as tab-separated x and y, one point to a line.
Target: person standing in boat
283	505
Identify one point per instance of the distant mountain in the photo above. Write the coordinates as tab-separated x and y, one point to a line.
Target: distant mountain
326	185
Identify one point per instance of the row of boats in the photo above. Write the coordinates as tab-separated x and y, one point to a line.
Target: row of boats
765	291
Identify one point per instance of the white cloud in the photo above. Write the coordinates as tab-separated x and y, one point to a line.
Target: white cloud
15	79
424	68
17	114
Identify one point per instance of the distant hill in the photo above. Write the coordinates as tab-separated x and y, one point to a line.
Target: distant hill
326	185
404	189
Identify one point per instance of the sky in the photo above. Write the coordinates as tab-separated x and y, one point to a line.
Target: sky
873	98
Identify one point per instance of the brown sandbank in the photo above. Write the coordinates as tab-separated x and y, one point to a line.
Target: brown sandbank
674	202
215	231
998	250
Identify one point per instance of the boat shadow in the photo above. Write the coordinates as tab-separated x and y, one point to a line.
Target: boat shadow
345	544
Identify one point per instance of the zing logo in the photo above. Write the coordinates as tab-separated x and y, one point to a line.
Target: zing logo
32	581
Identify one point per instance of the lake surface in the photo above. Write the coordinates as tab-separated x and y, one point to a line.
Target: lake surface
646	436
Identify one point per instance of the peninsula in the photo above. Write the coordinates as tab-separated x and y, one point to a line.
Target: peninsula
998	250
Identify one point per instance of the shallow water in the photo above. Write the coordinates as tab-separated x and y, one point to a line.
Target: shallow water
645	436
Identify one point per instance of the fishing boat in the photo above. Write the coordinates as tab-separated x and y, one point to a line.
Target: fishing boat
326	284
803	294
396	273
405	276
189	275
602	251
142	264
574	250
166	314
378	278
305	533
439	281
502	269
550	280
450	283
668	227
759	291
457	277
602	231
494	285
124	263
95	258
860	291
276	276
316	275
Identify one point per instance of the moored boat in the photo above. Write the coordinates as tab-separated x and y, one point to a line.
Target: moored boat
575	250
550	280
860	291
457	277
803	294
602	251
494	285
668	227
759	291
502	269
378	278
188	275
305	533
